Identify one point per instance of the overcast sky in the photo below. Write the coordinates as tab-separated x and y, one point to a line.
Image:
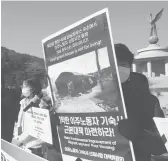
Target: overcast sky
25	24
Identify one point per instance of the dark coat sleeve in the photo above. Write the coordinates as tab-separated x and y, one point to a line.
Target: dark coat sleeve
158	112
150	139
141	129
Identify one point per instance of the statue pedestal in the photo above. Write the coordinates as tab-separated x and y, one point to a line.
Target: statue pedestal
147	59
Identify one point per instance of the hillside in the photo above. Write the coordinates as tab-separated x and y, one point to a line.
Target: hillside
16	67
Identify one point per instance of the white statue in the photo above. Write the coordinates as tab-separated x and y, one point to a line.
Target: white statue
153	39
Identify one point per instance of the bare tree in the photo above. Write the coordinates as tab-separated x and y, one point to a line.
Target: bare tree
99	70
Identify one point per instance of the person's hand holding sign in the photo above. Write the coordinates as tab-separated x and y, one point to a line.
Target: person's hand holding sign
18	143
19	130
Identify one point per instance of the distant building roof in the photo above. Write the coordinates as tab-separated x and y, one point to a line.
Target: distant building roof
152	51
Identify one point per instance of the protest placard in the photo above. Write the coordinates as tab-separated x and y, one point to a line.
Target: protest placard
162	126
86	91
39	124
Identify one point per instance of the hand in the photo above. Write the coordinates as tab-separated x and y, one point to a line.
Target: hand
19	130
16	137
18	142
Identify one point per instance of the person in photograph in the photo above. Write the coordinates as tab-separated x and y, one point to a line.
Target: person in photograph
31	88
140	107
